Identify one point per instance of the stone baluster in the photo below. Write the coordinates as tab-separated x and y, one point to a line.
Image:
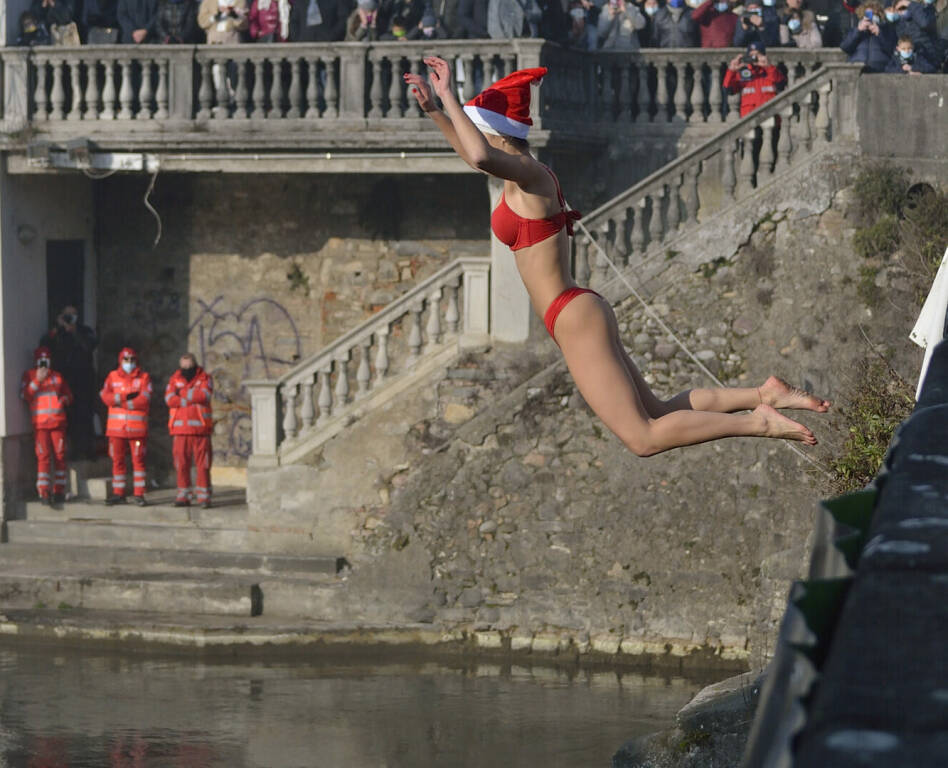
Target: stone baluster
221	110
296	95
768	160
375	89
467	65
240	92
581	259
381	354
308	407
681	97
75	107
644	97
108	91
692	202
625	93
733	107
395	88
276	89
331	92
145	92
620	249
747	160
290	423
418	68
433	328
414	333
364	372
784	141
125	90
161	92
258	93
661	93
806	120
39	93
452	316
608	92
655	231
715	95
342	382
205	93
92	91
639	229
600	244
57	96
728	178
822	121
312	91
324	401
673	208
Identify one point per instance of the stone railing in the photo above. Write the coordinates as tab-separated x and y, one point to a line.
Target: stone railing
648	217
404	342
129	89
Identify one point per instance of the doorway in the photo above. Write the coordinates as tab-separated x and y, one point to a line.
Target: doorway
65	277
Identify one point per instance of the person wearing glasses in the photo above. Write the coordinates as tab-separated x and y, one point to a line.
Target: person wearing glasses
127	393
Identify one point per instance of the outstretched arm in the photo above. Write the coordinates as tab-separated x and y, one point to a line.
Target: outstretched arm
462	134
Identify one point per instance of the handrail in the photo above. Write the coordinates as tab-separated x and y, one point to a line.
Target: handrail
772	108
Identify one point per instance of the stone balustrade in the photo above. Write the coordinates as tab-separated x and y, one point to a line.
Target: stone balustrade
649	216
191	88
404	342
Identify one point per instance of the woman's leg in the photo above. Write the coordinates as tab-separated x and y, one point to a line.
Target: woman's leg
774	392
585	332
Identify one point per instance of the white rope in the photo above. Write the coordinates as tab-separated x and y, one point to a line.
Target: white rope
654	315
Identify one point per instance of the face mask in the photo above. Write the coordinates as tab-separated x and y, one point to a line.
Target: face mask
721	7
769	3
902	14
42	363
189	373
128	367
906	55
651	10
928	2
578	13
892	17
793	25
676	3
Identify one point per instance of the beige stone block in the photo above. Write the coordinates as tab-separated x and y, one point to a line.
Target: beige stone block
605	644
521	642
235	477
489	640
457	413
546	643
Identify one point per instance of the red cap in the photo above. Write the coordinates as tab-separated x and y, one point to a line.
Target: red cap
504	107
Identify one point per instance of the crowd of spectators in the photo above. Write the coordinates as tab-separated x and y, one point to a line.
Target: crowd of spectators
868	32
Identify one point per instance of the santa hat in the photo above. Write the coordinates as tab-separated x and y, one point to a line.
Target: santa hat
504	107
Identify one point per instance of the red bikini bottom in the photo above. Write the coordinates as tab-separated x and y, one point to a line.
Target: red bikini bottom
557	305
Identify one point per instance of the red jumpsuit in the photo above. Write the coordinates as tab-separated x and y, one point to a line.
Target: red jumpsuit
48	400
190	424
760	88
128	396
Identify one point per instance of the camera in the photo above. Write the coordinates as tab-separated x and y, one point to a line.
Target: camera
870	16
749	58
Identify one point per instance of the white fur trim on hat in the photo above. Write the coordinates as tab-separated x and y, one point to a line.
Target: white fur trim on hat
496	123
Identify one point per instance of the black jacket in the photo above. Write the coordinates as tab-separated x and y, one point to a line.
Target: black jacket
334	13
472	19
137	14
668	33
61	13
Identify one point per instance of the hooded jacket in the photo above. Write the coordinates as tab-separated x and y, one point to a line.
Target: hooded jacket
128	397
873	51
189	403
716	27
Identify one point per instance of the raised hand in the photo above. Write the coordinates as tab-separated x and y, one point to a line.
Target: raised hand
421	91
440	75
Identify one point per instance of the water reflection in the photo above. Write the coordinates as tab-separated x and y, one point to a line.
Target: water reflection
74	709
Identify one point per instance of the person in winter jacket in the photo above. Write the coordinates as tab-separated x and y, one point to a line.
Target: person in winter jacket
47	394
270	21
673	27
363	22
918	21
618	26
872	42
472	19
754	76
127	393
176	22
759	21
137	19
223	20
798	29
188	397
716	23
319	21
507	19
908	61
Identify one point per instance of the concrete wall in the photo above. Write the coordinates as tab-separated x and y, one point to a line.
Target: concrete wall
255	272
33	210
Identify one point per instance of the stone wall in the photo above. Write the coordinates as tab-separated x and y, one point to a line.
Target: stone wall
253	273
530	525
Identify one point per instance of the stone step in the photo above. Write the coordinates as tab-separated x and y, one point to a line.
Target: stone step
70	559
220	515
105	533
164	592
84	476
302	599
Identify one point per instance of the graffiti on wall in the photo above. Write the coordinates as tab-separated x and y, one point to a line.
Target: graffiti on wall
254	340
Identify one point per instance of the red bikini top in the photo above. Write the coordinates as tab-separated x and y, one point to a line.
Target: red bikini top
518	232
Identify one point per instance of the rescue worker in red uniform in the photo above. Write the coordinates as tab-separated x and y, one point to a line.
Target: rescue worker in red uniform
754	76
188	397
127	393
48	394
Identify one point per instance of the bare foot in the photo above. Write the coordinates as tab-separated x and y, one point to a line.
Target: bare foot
778	425
779	394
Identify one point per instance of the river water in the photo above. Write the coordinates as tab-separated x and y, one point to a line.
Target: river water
77	709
